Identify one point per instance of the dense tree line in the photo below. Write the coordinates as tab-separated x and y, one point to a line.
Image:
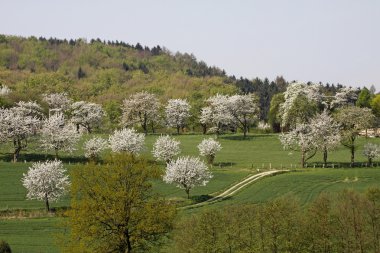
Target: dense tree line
346	222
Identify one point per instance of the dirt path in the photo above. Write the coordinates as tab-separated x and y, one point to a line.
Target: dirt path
236	187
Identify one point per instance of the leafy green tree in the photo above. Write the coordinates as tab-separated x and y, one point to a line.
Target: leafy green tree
364	98
274	117
114	209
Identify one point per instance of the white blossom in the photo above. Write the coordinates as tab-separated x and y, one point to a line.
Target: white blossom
93	147
141	108
326	132
17	128
244	110
56	134
165	148
301	138
217	113
58	102
371	151
209	148
292	93
177	112
263	125
187	172
4	90
46	181
30	108
86	114
345	96
127	140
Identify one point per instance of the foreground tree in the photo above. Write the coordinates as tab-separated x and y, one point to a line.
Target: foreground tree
301	138
46	181
352	120
127	140
87	115
165	148
209	148
326	133
17	128
94	146
371	151
177	112
187	172
113	208
56	134
141	108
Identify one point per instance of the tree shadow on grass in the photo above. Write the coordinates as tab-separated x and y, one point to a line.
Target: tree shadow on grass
200	198
241	137
8	157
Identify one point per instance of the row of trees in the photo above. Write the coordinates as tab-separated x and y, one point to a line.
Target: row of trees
346	222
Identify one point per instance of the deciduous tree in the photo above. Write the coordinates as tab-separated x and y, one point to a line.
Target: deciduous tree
141	108
87	115
57	134
127	140
46	181
113	208
177	112
166	148
17	128
209	148
187	172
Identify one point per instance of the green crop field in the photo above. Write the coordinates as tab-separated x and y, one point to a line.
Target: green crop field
237	159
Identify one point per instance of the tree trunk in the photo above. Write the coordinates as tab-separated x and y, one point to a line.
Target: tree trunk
47	203
211	159
325	156
303	159
188	193
129	244
204	128
178	127
78	128
16	153
352	156
56	153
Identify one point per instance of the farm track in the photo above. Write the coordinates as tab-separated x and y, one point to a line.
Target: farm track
235	188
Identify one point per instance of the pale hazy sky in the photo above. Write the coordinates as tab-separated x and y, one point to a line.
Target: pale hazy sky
336	41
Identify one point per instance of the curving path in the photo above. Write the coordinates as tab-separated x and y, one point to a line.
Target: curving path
237	187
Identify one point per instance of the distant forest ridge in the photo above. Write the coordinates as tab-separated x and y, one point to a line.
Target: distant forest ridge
107	72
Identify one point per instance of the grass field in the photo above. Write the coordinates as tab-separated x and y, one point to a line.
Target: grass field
238	159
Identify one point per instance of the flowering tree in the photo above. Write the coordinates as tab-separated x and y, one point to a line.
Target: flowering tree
217	113
87	115
57	135
46	181
326	132
58	102
301	138
187	172
141	108
300	103
29	108
205	118
177	112
93	147
166	148
209	148
244	110
346	96
127	140
352	120
17	128
371	151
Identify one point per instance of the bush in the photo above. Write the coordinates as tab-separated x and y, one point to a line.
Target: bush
4	247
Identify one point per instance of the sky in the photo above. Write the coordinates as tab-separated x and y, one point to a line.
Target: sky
334	41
